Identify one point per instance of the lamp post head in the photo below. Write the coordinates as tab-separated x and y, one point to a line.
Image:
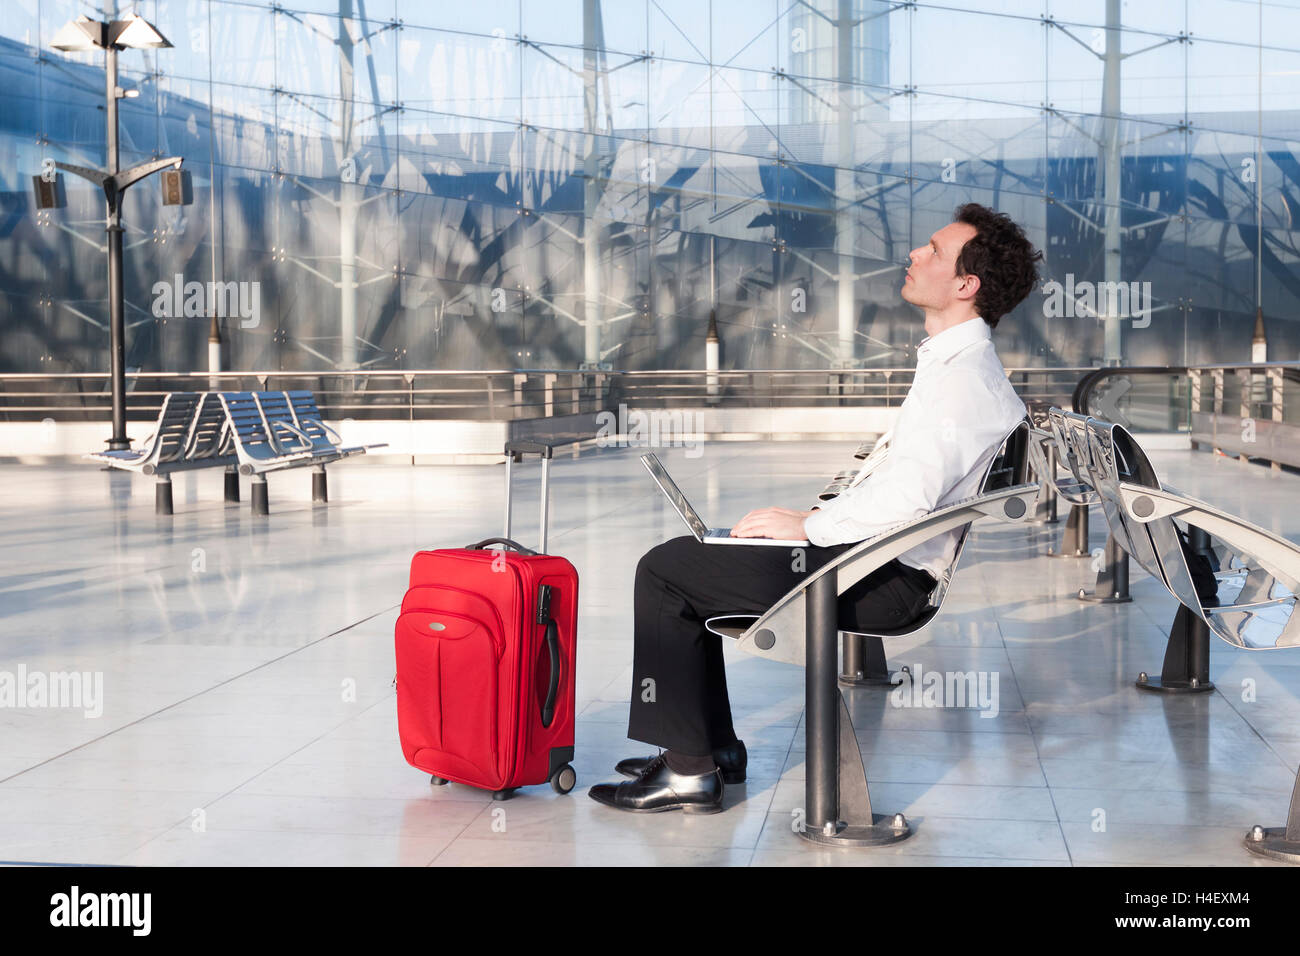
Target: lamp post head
83	33
136	33
79	35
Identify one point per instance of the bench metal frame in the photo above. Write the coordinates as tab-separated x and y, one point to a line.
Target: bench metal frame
1258	577
249	433
275	431
803	626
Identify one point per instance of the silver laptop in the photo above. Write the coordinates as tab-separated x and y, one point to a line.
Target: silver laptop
702	532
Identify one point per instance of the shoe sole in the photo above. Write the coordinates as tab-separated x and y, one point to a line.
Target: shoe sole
684	807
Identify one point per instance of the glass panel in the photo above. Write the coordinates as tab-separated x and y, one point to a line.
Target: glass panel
1010	67
491	18
747	34
243	42
473	78
186	25
679	30
1156	19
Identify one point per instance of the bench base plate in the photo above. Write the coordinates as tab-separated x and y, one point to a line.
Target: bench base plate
887	828
1272	843
870	680
1173	686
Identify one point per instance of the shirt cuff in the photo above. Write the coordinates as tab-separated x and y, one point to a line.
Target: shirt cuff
819	529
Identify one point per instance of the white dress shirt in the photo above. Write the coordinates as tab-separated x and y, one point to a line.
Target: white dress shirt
951	424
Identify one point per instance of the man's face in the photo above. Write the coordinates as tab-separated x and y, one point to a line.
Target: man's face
932	282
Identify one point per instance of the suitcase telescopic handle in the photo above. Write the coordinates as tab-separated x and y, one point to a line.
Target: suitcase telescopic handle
506	542
515	451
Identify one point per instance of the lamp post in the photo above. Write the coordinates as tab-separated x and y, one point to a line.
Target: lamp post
136	33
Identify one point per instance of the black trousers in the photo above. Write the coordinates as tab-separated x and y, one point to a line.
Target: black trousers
679	684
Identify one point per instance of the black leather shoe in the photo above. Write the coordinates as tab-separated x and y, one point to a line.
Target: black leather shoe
659	788
731	760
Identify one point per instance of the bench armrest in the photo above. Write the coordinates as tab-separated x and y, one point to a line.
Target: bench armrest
302	440
1275	553
782	625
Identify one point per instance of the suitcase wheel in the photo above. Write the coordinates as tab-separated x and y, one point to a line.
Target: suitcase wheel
562	780
505	794
438	781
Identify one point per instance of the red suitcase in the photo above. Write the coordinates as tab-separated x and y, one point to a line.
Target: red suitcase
486	659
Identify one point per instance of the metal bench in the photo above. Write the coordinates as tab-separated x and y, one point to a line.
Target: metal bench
247	433
273	431
191	433
802	628
1257	575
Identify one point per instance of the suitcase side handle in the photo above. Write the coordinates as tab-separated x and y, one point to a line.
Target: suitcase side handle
553	647
505	542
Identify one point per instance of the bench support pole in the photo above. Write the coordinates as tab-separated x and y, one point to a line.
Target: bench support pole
1046	512
1074	543
864	662
1186	668
1198	539
1052	497
319	489
1280	843
232	483
261	505
838	802
162	495
1112	579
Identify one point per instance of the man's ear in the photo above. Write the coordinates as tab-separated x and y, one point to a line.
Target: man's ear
970	284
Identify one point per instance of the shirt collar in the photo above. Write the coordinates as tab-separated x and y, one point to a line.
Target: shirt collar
941	347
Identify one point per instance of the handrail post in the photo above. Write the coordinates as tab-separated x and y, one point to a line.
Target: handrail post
1052	497
1247	383
521	378
1193	402
1276	406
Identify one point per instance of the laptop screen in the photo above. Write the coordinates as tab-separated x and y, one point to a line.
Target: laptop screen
674	495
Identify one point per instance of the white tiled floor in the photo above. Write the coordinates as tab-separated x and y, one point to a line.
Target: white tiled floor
226	644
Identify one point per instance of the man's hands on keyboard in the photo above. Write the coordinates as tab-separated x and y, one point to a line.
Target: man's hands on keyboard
780	523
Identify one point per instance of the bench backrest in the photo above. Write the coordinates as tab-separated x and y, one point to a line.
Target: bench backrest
308	419
1114	457
1008	467
248	426
211	435
1156	545
175	421
1071	434
279	416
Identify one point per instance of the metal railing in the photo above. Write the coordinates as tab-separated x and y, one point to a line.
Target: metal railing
490	395
1250	410
798	388
496	394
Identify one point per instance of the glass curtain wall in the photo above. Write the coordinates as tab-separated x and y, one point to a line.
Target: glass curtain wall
395	184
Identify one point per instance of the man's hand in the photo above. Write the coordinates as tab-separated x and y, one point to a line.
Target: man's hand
780	523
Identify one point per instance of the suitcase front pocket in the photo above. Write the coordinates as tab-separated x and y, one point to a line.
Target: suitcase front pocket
447	688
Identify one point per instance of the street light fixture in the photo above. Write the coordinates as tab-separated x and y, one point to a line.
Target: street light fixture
135	33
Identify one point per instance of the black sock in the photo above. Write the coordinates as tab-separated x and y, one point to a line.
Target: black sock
689	764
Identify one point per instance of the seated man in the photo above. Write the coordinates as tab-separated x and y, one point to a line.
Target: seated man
959	408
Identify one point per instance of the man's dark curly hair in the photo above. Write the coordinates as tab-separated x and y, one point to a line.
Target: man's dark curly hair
1002	259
